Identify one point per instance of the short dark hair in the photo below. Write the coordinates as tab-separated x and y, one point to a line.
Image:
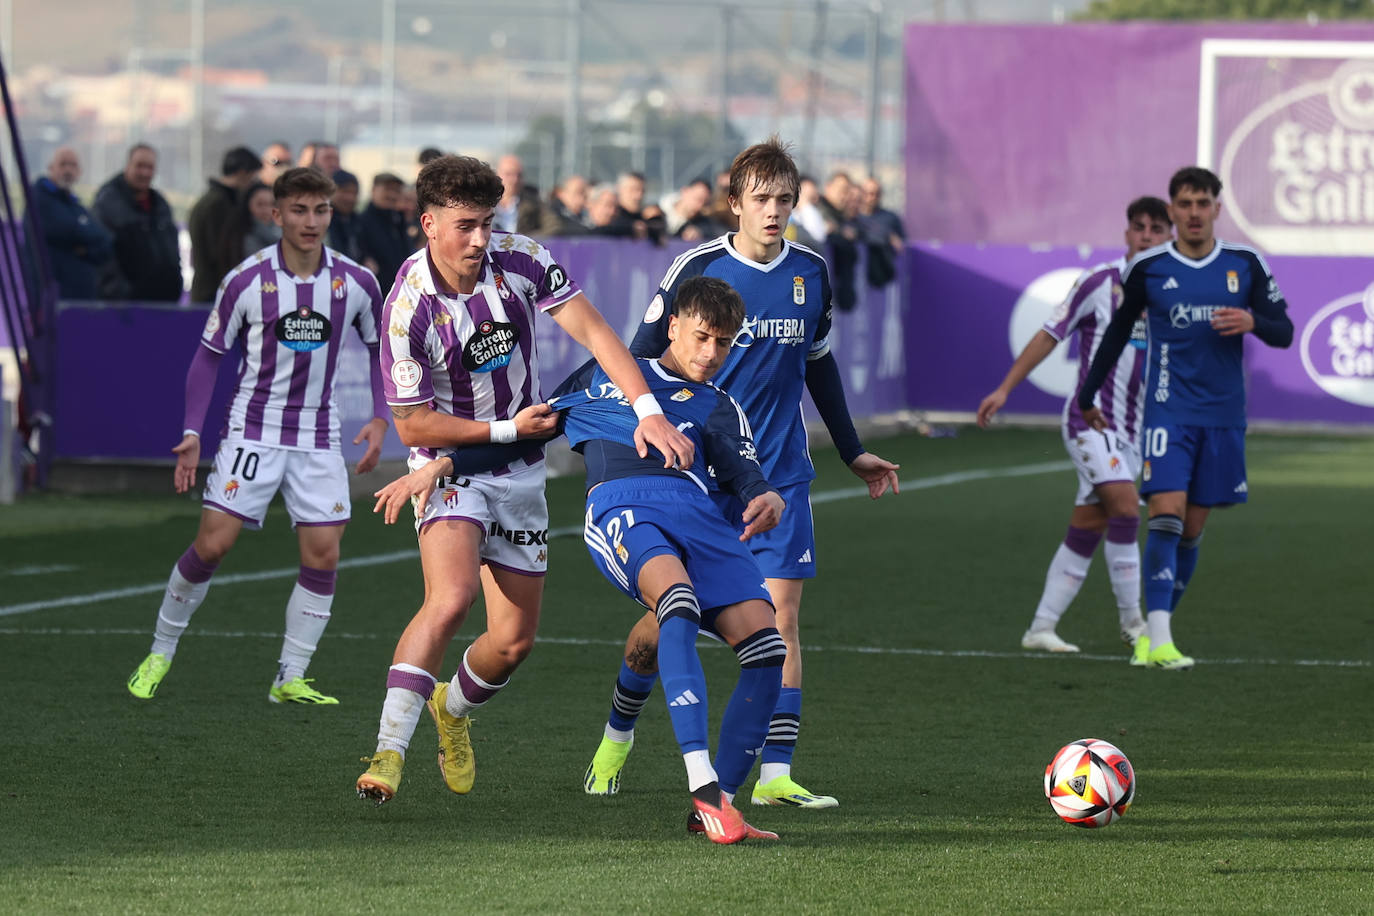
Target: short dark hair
240	159
303	181
429	154
386	178
138	146
458	181
712	300
1151	207
761	164
1195	177
345	179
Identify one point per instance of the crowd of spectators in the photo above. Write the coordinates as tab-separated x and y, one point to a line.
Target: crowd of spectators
126	245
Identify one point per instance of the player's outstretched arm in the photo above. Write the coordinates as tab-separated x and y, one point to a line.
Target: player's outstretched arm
879	473
374	433
418	482
188	458
1032	355
762	514
585	325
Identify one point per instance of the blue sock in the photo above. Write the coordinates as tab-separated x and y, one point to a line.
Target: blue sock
684	683
1187	562
1161	561
745	725
783	728
631	692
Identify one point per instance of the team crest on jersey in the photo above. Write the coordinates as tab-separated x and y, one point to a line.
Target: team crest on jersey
491	347
451	497
501	287
682	395
303	330
622	553
231	489
338	287
1146	471
1232	281
269	287
1115	463
799	290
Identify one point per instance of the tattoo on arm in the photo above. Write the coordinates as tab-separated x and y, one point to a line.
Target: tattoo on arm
401	411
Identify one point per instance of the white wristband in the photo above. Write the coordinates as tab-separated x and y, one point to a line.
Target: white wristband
190	432
502	431
646	406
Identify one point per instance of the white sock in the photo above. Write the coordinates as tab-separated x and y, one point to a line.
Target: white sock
616	734
1065	577
458	703
771	771
179	602
1159	623
401	713
307	614
699	769
1123	568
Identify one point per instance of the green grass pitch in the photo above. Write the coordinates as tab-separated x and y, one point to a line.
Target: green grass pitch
922	716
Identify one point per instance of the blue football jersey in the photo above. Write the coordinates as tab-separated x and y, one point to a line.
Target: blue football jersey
1194	375
600	423
787	322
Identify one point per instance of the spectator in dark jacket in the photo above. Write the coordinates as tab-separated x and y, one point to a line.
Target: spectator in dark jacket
382	230
564	209
345	228
839	206
147	258
519	209
216	223
77	244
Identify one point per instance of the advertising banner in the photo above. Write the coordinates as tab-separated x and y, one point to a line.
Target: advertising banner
1022	134
978	306
121	392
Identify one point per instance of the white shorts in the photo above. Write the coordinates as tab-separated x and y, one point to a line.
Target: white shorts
246	475
1101	457
510	510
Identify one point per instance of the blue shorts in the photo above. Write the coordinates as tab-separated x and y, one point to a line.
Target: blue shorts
789	550
1206	462
632	520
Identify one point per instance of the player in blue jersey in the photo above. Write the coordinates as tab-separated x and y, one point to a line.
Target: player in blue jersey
1200	296
655	533
781	350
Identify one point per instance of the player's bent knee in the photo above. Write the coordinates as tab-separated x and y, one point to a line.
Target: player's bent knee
642	657
764	648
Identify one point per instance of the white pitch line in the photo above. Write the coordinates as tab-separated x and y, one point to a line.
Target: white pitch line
919	483
859	650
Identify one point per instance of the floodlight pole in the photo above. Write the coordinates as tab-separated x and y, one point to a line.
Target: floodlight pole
389	76
572	132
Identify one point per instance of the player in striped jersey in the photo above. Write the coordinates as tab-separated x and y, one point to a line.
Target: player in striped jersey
286	309
461	370
781	349
1200	297
1107	460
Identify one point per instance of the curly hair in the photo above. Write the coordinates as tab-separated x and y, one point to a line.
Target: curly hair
457	181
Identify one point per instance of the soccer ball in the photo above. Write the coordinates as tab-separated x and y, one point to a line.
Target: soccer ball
1090	783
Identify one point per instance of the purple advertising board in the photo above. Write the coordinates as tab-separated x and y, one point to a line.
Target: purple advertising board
977	307
1020	134
123	365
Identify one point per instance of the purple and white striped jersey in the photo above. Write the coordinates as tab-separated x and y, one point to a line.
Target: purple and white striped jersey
1087	310
471	356
290	330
